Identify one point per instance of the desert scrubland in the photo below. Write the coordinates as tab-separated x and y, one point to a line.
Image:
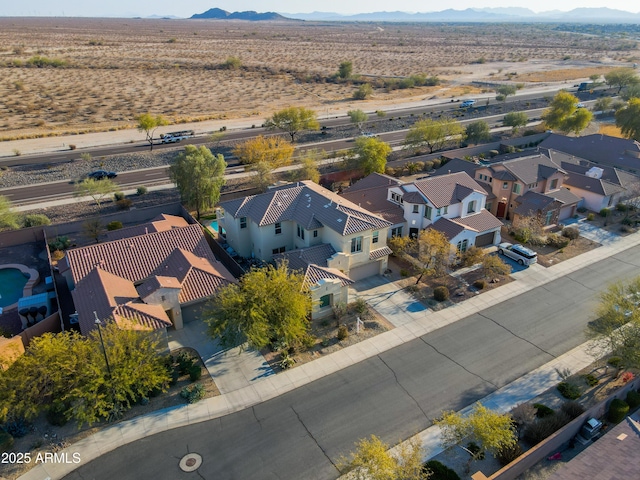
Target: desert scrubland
78	75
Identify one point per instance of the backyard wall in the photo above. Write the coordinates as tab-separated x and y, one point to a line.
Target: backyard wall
49	324
555	442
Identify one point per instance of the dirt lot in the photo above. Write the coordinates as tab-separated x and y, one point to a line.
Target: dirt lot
108	71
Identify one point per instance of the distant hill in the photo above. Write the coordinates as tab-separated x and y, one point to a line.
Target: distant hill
219	14
504	14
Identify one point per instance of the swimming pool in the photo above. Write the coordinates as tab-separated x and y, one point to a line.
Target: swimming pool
214	225
12	282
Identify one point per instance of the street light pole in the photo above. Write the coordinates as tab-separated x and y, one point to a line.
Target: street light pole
104	350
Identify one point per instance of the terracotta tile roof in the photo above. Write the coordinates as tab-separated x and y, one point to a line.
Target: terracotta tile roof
308	204
414	197
528	169
595	185
155	283
457	165
161	223
314	274
371	193
480	222
448	227
374	180
141	316
532	202
137	258
563	195
448	189
379	253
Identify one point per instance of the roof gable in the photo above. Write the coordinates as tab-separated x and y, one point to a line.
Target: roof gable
445	190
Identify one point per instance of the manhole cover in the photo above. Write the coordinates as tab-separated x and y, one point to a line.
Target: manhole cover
190	462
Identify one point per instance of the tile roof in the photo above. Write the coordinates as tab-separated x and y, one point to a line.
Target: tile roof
374	180
448	189
413	197
480	222
374	199
563	195
379	253
457	165
598	148
532	202
308	204
160	223
313	262
448	227
136	258
141	316
595	185
528	169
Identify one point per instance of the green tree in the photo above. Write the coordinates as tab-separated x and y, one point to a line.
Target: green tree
309	166
274	151
148	124
434	253
489	430
632	91
345	70
293	120
363	92
603	104
8	218
622	77
373	461
434	134
617	327
268	305
515	120
358	117
263	176
371	154
504	91
199	176
477	132
35	220
564	114
96	189
628	119
93	228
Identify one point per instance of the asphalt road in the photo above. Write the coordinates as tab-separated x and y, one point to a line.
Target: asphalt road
301	434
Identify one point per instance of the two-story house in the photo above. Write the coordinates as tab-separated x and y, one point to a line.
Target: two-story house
453	204
310	222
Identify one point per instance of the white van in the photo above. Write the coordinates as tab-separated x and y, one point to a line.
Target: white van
467	103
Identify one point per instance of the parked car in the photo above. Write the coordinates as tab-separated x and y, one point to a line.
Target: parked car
101	174
368	134
520	254
580	105
467	103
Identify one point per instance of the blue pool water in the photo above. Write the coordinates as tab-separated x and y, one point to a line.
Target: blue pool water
12	281
214	225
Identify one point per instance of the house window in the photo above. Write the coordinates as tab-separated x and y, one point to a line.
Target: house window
356	244
548	219
325	301
488	207
243	222
300	232
374	239
554	184
462	245
278	227
163	298
396	232
490	179
505	185
517	188
445	209
416	209
315	234
472	207
427	212
438	212
275	251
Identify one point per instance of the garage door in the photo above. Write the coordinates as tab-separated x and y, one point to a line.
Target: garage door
364	271
485	239
566	212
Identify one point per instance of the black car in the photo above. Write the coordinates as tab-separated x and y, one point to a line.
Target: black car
101	174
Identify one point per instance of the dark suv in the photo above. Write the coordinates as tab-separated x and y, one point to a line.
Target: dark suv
101	174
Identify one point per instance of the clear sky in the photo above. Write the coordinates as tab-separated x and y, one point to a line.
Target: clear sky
186	8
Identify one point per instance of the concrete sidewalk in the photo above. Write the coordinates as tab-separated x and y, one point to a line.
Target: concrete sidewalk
251	384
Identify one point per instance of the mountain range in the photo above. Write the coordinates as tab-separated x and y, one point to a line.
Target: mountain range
498	14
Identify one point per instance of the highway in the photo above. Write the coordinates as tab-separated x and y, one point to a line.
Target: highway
301	434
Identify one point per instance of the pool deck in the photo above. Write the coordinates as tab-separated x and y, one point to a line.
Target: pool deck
34	278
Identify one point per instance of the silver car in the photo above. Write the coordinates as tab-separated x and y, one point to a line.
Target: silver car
520	254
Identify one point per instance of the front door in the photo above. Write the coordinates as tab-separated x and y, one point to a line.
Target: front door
502	208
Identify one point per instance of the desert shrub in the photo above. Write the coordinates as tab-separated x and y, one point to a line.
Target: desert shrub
633	399
195	372
343	332
480	284
428	165
627	221
35	220
604	212
542	410
493	153
115	225
124	204
472	256
309	341
544	427
506	455
591	379
441	293
570	232
436	162
193	393
141	190
17	427
615	362
557	241
117	196
569	390
390	171
404	272
573	409
60	243
524	413
581	209
590	217
618	409
626	229
621	207
360	306
474	448
186	361
72	147
55	414
439	471
6	441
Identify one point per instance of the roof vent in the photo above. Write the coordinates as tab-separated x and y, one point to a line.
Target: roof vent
339	220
